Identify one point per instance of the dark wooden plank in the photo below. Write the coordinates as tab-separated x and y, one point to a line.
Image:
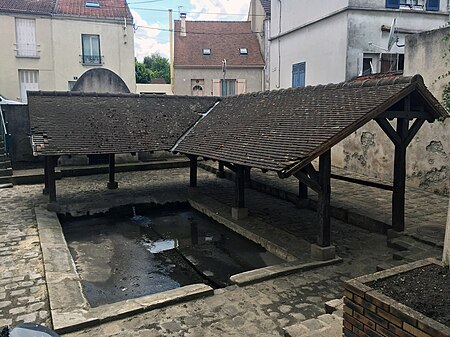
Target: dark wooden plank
247	176
239	200
362	182
220	170
52	178
45	190
388	130
302	190
193	171
305	179
323	205
398	196
311	171
413	130
405	114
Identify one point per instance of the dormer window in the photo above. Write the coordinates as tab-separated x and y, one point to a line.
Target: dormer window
206	51
92	4
243	51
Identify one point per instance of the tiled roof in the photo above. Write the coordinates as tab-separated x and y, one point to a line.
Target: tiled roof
77	123
107	9
285	130
266	6
224	38
28	6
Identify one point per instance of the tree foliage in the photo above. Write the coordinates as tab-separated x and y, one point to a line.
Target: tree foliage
153	66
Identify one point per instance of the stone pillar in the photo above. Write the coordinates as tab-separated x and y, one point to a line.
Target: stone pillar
446	256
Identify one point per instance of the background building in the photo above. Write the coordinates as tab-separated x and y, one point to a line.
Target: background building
47	45
333	41
199	49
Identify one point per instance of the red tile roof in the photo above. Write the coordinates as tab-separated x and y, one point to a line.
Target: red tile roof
224	38
28	6
107	9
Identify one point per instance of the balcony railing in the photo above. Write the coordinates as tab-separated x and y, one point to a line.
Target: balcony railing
27	50
91	59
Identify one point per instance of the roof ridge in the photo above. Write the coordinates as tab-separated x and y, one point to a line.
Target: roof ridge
118	94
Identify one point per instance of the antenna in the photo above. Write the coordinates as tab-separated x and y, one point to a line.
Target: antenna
393	38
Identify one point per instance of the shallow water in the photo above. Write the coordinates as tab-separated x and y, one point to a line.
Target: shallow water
121	257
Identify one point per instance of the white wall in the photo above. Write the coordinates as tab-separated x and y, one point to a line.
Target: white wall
322	46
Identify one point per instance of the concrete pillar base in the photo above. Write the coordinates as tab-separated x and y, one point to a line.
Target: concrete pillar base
322	253
239	213
53	207
112	185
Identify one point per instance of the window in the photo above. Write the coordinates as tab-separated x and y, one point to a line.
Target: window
367	66
392	62
26	38
92	4
430	5
91	49
227	87
28	81
206	51
197	87
298	75
243	51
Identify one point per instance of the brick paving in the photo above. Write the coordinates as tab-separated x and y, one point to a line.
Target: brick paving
262	309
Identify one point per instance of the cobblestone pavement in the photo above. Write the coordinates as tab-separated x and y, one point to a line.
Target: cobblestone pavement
262	309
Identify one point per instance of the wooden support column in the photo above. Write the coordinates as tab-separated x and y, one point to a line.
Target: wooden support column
220	170
239	201
247	176
46	167
112	184
398	196
323	205
302	190
51	161
193	171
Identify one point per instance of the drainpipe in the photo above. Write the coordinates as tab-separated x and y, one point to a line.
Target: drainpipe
279	47
171	51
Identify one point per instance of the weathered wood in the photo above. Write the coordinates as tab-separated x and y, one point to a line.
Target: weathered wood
52	160
405	114
302	190
193	171
247	177
239	200
229	166
311	171
363	182
398	195
389	130
112	184
305	179
46	163
413	130
323	205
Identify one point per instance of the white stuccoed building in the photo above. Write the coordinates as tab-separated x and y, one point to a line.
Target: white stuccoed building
330	41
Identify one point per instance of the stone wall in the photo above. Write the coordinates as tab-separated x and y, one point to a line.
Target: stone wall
369	151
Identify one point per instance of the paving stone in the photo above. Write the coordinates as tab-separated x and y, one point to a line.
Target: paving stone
28	318
4	304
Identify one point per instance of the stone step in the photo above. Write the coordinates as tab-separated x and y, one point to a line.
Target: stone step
6	172
401	243
5	164
323	326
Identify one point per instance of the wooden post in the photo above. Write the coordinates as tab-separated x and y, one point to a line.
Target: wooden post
247	176
193	171
398	196
51	161
112	184
46	167
302	190
220	170
323	206
240	187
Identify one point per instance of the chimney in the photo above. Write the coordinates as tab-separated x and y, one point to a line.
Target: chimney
183	24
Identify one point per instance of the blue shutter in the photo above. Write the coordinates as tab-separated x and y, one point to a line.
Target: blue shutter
393	4
295	73
298	75
302	71
432	5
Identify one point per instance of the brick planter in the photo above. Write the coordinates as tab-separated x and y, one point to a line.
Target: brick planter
367	312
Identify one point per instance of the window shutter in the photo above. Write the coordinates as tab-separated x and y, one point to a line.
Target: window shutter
392	3
216	87
432	5
241	86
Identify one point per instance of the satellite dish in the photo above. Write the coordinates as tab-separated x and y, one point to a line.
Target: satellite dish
393	38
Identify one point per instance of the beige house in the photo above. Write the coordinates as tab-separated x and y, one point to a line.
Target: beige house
48	45
216	58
